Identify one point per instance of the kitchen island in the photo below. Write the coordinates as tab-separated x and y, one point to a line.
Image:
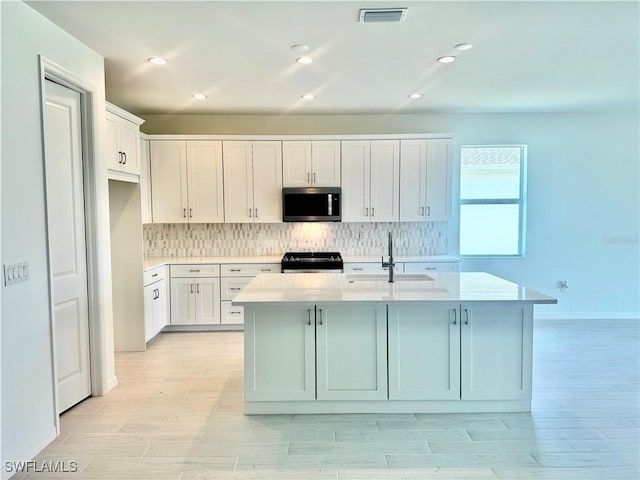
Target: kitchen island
354	343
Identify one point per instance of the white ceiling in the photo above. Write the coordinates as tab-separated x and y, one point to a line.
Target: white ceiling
527	56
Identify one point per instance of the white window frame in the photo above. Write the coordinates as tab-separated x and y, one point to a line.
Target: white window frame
521	201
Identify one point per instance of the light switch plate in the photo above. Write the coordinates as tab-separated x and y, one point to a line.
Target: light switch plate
15	273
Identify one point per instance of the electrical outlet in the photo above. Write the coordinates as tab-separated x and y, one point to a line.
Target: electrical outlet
15	273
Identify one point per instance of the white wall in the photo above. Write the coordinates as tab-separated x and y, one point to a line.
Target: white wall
28	415
583	179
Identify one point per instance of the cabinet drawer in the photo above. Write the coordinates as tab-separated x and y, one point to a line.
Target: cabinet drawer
431	267
232	314
230	287
195	270
366	267
154	274
249	269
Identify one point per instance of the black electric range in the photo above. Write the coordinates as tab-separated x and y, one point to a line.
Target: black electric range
312	262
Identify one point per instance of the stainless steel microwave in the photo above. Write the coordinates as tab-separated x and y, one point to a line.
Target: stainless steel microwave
311	204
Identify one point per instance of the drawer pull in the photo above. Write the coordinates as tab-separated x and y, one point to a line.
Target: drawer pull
154	275
235	269
194	271
358	269
235	312
235	289
265	269
431	268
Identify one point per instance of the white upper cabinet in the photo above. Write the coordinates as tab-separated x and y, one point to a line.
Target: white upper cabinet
311	163
425	180
370	180
186	181
123	144
253	181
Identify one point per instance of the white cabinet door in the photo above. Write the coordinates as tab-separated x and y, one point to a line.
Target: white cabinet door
267	182
145	182
111	137
128	141
183	307
439	173
205	183
289	375
355	180
238	181
413	180
149	298
385	180
325	163
296	163
207	301
351	352
231	314
496	351
424	352
160	310
169	198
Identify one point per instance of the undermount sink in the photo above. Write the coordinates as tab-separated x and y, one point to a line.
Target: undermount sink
384	277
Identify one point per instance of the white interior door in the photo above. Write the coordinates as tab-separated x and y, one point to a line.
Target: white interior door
68	263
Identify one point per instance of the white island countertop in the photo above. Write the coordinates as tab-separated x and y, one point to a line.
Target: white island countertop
270	288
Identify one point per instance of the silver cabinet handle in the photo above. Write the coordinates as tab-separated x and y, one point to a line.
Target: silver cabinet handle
234	289
235	269
265	269
357	269
197	288
319	316
314	177
191	213
308	316
466	316
455	316
373	211
124	154
366	211
191	288
154	275
431	268
428	211
422	211
184	213
250	212
235	312
120	158
308	177
194	270
255	210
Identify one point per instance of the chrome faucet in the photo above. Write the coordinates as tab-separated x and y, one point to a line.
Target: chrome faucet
390	264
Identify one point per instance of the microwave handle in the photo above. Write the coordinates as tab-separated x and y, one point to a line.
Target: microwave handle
329	204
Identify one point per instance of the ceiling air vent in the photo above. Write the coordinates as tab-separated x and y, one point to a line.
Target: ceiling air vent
382	15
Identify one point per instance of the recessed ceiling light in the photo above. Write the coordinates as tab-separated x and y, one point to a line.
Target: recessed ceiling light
304	60
157	60
307	96
447	59
463	46
299	47
199	96
415	96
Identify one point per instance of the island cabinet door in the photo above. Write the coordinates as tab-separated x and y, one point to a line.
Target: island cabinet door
496	351
351	350
424	352
279	353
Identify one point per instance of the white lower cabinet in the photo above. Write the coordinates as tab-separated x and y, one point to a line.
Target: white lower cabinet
468	351
351	352
279	353
156	302
195	295
234	277
309	352
424	352
496	358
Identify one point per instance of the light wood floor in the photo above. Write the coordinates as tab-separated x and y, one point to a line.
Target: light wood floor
177	414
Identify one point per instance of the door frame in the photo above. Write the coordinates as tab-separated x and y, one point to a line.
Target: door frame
91	176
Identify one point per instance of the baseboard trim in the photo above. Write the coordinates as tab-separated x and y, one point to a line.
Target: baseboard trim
587	316
27	454
112	383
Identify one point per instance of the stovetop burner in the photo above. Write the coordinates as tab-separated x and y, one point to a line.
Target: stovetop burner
311	262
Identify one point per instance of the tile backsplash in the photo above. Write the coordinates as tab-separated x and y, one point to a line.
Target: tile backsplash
242	239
